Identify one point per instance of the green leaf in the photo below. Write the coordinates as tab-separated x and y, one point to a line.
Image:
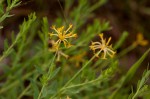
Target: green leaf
98	4
131	95
134	67
45	25
12	36
54	73
4	16
8	2
141	87
129	74
6	45
10	15
1	9
121	40
39	69
17	4
35	89
44	79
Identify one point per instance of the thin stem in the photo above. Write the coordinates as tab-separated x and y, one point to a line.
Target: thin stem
63	88
79	72
96	5
62	10
41	91
104	91
82	84
49	74
26	89
125	51
51	65
9	49
134	95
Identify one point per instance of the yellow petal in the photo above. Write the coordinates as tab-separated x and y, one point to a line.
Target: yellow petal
143	43
140	36
60	29
101	35
53	27
108	41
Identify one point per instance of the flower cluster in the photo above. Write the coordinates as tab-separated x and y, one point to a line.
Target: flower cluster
59	52
63	36
102	46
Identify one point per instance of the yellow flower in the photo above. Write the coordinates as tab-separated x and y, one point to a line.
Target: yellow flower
58	52
53	47
62	35
68	97
140	40
102	46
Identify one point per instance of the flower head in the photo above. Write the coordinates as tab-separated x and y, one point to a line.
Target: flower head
62	35
102	46
59	53
140	40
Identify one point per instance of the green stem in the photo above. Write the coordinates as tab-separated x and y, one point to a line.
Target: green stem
63	88
51	66
134	95
9	49
79	72
96	5
41	91
82	84
49	75
125	51
26	89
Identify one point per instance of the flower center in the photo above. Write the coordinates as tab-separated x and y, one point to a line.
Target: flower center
61	37
103	46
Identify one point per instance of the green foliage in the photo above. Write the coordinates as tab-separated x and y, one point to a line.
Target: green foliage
4	13
34	72
24	28
121	40
129	74
141	85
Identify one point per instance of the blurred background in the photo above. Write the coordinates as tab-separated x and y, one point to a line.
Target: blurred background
124	15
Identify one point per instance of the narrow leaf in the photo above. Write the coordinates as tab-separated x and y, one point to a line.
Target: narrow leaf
8	2
1	9
35	89
121	40
6	45
129	74
55	72
134	67
39	69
